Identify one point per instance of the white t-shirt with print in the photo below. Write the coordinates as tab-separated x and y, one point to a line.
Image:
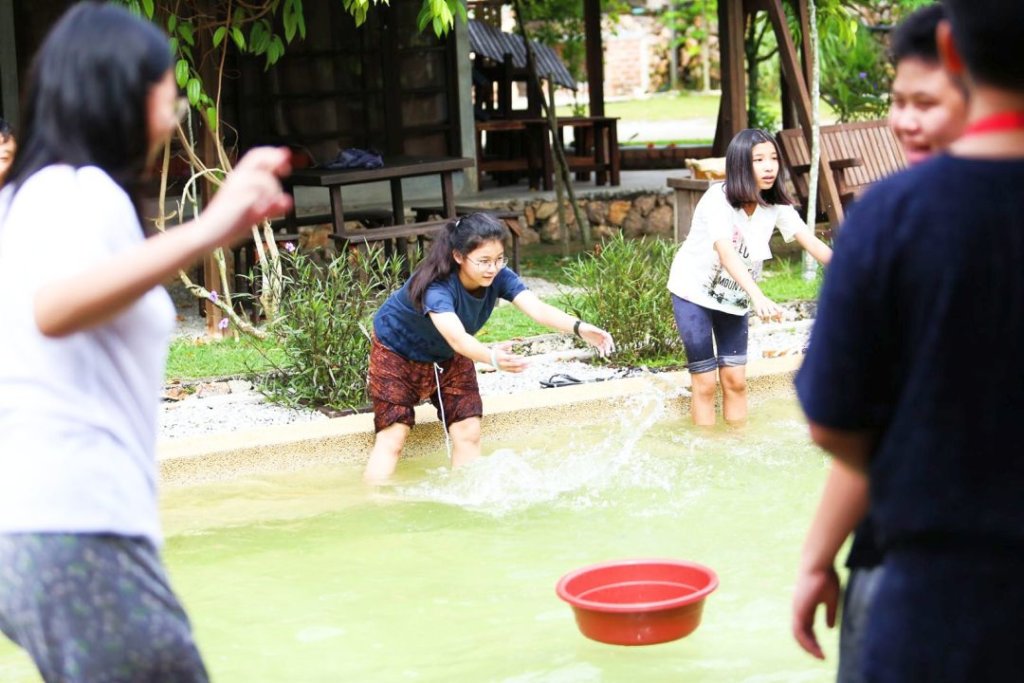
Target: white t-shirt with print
697	274
78	414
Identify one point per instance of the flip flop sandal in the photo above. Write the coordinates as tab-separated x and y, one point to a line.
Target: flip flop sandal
560	380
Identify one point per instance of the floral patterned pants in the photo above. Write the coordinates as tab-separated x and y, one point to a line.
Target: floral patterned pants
94	608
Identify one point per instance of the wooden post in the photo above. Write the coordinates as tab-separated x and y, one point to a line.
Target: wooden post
791	67
8	64
595	55
732	110
559	153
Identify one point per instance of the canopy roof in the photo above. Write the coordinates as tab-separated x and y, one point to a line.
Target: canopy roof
493	43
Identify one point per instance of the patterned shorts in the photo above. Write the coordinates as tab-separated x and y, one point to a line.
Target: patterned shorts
398	385
95	608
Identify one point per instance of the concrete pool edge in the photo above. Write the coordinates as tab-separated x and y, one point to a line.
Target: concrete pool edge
229	455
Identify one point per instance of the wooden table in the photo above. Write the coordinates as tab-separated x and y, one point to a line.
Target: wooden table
394	170
595	149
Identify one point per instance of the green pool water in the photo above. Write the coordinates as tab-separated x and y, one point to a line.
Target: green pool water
449	576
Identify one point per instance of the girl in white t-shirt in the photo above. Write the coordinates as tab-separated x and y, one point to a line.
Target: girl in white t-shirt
86	326
713	275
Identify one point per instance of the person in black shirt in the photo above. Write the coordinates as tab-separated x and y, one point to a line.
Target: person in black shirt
914	375
928	112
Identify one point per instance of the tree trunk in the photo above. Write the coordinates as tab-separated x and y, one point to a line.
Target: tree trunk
810	264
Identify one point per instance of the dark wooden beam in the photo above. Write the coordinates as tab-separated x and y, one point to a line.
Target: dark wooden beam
595	55
8	63
732	109
793	71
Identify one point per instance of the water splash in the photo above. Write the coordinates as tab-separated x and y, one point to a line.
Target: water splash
580	469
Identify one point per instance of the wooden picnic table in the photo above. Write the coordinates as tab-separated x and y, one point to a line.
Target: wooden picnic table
394	170
595	149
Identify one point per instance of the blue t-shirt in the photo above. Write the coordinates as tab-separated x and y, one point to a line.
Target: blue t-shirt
411	333
918	337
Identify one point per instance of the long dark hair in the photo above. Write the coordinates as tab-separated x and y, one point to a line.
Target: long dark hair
86	97
740	183
462	235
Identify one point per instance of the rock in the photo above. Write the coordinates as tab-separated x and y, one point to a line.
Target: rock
551	234
597	212
530	215
237	386
546	210
617	211
644	204
528	236
175	394
213	389
603	232
633	225
661	221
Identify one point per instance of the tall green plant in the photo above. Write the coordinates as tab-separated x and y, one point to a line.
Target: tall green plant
202	33
324	317
622	288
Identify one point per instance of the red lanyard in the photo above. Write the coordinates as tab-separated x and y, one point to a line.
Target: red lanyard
996	123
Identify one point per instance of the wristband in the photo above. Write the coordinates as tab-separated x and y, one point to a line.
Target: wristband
576	328
494	358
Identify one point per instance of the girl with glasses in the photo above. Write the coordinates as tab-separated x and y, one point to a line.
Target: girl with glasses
423	344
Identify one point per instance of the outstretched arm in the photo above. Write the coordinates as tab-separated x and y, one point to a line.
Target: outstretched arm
559	320
844	502
465	344
764	307
821	252
249	194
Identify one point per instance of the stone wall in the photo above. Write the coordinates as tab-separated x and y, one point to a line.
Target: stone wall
635	215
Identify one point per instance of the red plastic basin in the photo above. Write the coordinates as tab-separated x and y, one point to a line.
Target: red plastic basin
638	602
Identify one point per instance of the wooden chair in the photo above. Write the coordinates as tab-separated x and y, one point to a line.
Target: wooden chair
859	153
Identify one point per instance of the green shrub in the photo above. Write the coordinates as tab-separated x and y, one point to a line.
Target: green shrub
622	288
326	311
856	78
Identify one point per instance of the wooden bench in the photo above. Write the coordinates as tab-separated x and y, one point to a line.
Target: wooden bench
509	218
859	153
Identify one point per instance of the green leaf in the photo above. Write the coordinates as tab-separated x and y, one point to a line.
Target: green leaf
187	33
289	25
172	23
236	35
181	72
424	17
259	38
193	89
211	118
218	35
147	7
301	21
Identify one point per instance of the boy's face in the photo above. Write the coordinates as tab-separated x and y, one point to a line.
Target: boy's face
928	110
7	149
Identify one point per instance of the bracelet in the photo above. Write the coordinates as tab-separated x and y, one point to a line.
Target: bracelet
494	358
576	328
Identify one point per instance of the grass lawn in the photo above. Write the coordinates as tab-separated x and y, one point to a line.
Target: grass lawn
783	280
224	358
669	107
